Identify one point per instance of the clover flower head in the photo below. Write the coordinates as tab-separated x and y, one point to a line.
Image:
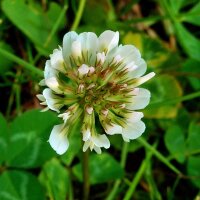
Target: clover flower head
95	80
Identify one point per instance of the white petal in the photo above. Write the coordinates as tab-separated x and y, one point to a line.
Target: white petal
86	145
139	70
65	116
101	141
58	139
40	97
108	40
76	49
68	39
125	138
57	61
134	116
140	101
114	129
144	79
83	69
101	58
53	84
97	149
86	134
52	101
49	71
42	82
134	130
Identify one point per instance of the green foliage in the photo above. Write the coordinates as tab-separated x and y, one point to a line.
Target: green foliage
102	168
28	146
20	185
37	24
55	178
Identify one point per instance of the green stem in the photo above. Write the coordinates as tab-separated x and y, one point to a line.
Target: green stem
117	183
158	155
78	15
138	176
86	177
56	26
176	100
21	62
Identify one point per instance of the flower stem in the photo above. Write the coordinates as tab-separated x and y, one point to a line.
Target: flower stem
158	155
138	176
86	177
176	100
117	183
21	62
78	15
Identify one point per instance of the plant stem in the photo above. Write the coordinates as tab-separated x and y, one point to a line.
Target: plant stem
21	62
78	15
138	176
176	100
86	177
56	26
158	155
117	183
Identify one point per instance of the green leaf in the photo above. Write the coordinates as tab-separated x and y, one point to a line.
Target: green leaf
3	138
193	166
36	25
117	142
5	64
28	146
175	142
192	66
163	87
190	44
102	168
55	178
193	141
17	185
193	16
102	10
152	50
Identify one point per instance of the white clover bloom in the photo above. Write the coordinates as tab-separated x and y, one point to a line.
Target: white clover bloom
95	80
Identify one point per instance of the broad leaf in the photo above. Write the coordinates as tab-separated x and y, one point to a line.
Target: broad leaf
163	88
193	166
175	142
28	139
102	168
55	178
17	185
190	43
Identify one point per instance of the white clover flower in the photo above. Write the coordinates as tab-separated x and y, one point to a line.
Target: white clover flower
95	80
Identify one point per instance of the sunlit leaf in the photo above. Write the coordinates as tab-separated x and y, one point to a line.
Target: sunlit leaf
163	88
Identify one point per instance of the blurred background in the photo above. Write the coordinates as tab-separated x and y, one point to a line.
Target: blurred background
163	164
